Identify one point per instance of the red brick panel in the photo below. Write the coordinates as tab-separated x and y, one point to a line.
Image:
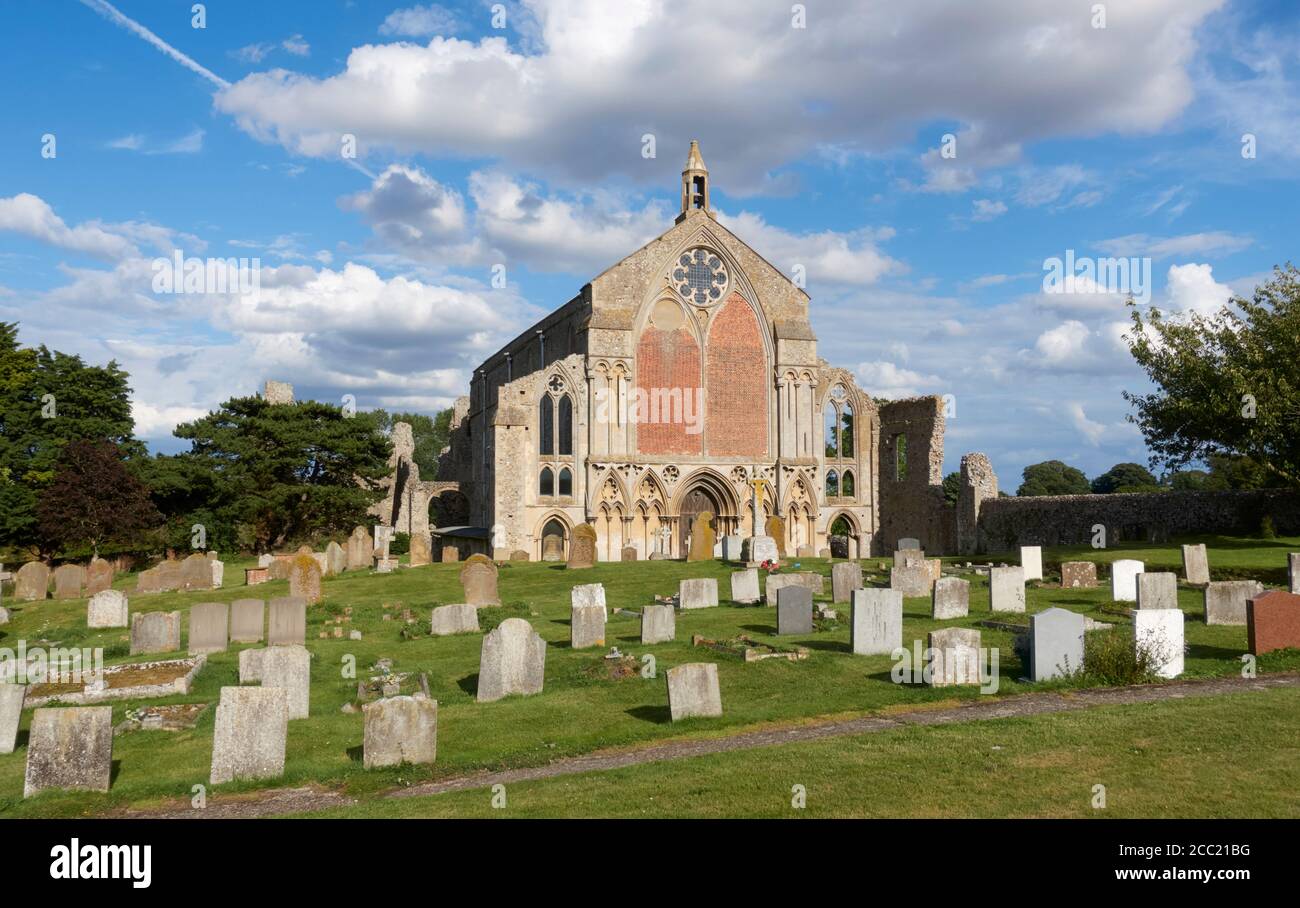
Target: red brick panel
667	369
738	383
1273	622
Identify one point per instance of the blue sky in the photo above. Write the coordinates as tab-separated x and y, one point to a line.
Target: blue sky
523	146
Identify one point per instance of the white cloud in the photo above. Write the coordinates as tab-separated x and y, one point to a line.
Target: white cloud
420	22
33	217
1063	344
988	209
1192	288
1216	242
1092	431
829	257
296	45
882	378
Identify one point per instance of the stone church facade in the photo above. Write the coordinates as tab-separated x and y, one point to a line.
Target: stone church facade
666	385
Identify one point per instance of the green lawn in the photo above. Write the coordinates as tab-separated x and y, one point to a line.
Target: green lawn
576	713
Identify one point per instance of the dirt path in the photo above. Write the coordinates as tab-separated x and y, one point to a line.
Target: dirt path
284	801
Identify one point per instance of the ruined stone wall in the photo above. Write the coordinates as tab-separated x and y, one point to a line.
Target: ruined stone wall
912	505
978	484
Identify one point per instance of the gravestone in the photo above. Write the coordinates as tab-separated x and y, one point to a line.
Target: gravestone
1159	631
1031	562
954	655
794	611
289	667
814	583
1007	589
1273	622
421	549
209	628
909	543
287	625
250	665
1293	571
70	748
454	619
1055	643
588	594
1196	564
69	581
950	598
553	548
658	624
1123	579
1078	574
908	557
478	578
877	625
732	546
582	549
774	529
825	553
744	586
155	632
304	579
107	608
758	549
911	580
845	578
279	567
336	560
32	582
512	661
1225	600
196	572
11	712
248	742
586	626
693	691
170	576
400	730
702	538
805	551
518	555
361	550
99	576
247	617
698	593
629	553
449	554
218	573
148	581
1157	590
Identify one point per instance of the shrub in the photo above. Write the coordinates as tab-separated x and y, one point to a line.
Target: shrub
401	544
1109	658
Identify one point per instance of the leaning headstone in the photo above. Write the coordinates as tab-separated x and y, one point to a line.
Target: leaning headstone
70	748
304	579
744	586
512	661
1196	564
1007	589
32	582
11	711
1293	571
877	624
845	578
1273	622
287	625
252	725
950	598
336	560
209	628
586	626
247	616
155	632
911	580
702	538
1225	600
699	592
731	547
69	581
1078	574
479	580
553	548
1123	579
99	576
582	549
196	572
658	624
954	656
454	619
289	667
1031	562
1055	643
361	550
1157	590
1159	631
400	730
794	611
693	691
909	543
107	608
588	594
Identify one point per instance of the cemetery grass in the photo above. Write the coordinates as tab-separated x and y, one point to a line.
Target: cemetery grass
579	712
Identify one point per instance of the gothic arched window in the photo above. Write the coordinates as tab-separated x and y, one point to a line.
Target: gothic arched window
846	485
546	485
546	425
566	482
565	423
832	484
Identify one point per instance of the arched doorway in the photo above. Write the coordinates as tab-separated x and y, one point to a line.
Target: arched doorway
554	537
695	502
843	537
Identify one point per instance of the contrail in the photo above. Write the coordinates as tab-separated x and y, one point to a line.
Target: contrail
109	12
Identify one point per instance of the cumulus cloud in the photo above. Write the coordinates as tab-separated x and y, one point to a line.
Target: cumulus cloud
1192	288
420	22
886	379
32	216
828	256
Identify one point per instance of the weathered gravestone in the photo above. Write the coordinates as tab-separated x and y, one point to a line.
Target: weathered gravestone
732	547
805	551
911	580
1007	589
69	581
289	667
70	748
478	578
148	581
11	711
170	577
1055	643
1159	632
1123	579
461	618
908	557
954	655
304	579
250	665
196	572
336	560
553	548
512	661
518	555
658	624
107	608
950	598
252	725
1273	622
209	628
449	554
420	551
700	592
702	538
845	578
361	550
814	583
588	594
794	611
1293	571
99	576
287	625
1078	574
759	549
909	543
877	625
1196	564
279	567
155	632
247	617
774	528
744	586
693	691
629	553
586	626
582	550
400	730
32	582
218	573
1225	600
1158	590
1031	562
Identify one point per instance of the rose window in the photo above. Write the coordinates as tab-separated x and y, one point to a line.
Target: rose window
700	277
